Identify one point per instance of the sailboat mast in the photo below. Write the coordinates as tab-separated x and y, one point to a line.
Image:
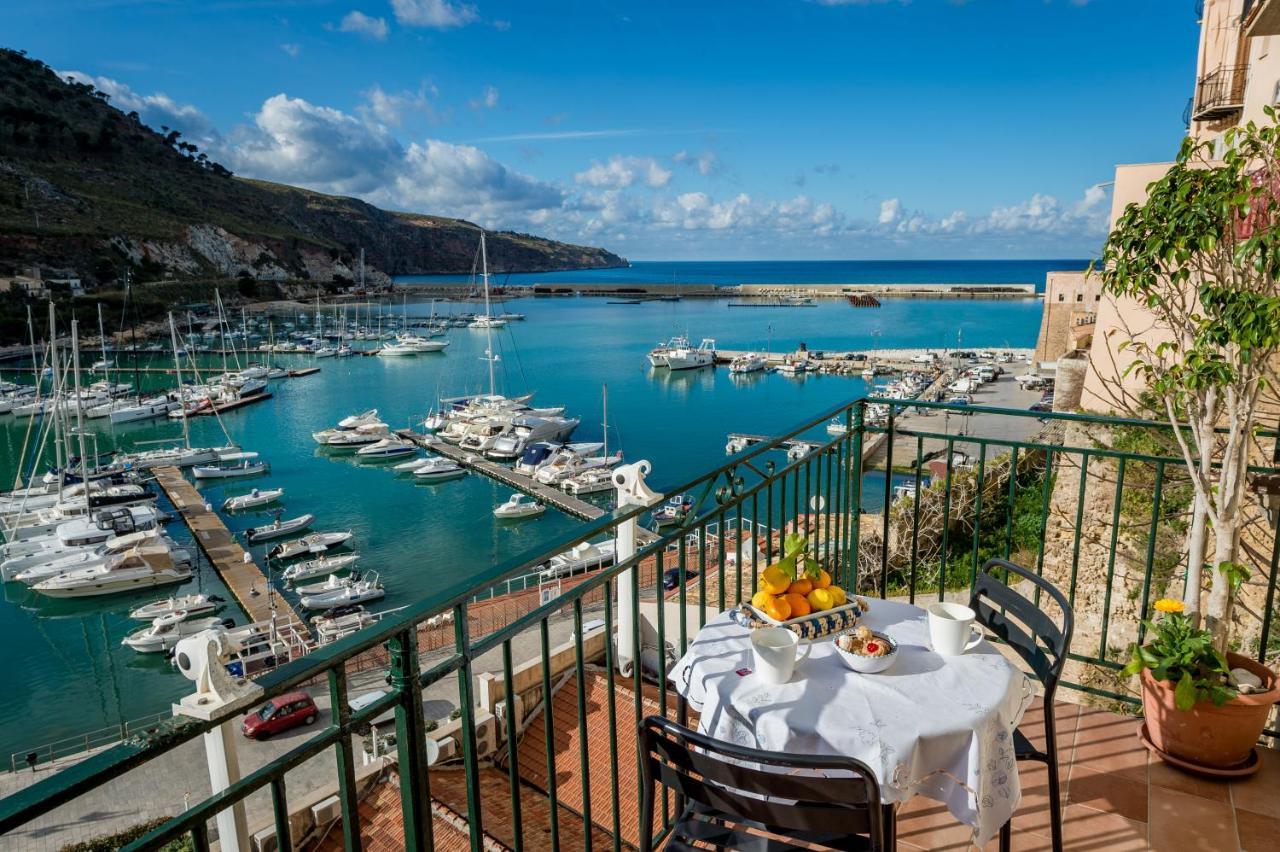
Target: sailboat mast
133	334
53	397
488	326
75	365
102	338
177	369
35	364
604	392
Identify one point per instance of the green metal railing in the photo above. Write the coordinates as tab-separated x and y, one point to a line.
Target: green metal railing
1008	497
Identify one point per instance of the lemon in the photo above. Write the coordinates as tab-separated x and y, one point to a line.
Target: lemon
774	580
838	597
760	600
821	599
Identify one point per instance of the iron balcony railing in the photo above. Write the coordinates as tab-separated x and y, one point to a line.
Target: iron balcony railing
1095	504
1220	93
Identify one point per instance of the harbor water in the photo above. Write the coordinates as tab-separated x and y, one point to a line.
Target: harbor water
66	672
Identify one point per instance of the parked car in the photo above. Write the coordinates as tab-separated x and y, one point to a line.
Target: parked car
671	578
1042	406
280	714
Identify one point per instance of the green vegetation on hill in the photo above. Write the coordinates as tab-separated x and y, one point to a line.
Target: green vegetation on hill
88	188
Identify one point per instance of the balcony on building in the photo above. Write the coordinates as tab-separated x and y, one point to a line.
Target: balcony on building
1261	18
1220	93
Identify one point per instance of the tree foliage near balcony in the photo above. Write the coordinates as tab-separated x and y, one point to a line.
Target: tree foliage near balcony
1202	255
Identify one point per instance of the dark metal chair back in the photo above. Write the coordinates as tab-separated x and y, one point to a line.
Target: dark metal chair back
831	801
1045	648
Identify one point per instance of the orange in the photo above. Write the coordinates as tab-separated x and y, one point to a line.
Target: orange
839	598
823	580
761	600
821	599
778	608
774	580
802	587
799	606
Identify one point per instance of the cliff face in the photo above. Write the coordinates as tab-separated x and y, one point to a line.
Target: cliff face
85	187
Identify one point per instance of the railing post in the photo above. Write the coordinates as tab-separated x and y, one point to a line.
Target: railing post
628	483
411	746
857	428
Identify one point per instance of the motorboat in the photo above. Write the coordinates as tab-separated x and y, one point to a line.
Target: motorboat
439	469
241	465
325	352
582	557
319	567
331	583
562	466
387	448
519	506
687	358
659	354
361	436
192	605
792	367
750	362
672	512
837	426
165	631
146	409
409	466
142	567
486	321
417	344
341	622
562	459
534	455
314	543
798	451
80	533
176	456
527	430
593	481
359	592
251	500
398	349
279	528
22	526
33	569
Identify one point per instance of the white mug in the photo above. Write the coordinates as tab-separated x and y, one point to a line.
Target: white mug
951	628
775	651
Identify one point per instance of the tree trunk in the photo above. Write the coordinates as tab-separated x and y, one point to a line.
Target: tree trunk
1197	544
1222	592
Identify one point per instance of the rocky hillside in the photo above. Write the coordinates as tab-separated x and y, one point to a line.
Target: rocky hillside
85	187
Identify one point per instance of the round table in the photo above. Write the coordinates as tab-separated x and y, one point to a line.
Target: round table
936	726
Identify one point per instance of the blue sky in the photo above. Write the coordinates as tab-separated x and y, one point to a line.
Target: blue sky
701	129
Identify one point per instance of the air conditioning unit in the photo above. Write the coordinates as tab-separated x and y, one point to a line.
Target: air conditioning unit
265	841
500	710
486	738
326	811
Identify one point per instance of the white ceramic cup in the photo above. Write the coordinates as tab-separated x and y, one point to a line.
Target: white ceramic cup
776	653
951	628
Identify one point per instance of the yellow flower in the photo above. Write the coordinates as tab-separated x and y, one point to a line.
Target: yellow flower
1169	605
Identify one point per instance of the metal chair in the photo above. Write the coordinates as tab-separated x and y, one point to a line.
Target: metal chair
994	602
733	797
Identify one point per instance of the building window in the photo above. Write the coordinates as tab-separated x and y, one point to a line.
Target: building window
1079	297
1061	298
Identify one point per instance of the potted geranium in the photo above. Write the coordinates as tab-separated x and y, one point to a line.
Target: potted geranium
1200	708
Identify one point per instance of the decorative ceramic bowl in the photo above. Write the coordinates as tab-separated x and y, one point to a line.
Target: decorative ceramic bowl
869	665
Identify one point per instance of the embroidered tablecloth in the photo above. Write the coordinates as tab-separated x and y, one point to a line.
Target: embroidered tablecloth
940	727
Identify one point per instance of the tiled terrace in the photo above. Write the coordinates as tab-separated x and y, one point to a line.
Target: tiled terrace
1115	796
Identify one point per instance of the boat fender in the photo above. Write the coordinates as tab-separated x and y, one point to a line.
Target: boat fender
228	623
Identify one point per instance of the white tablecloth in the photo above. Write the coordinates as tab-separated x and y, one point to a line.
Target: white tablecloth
931	725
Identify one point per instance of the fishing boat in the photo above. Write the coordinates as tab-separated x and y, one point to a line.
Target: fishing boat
387	448
279	528
319	567
165	631
519	506
750	362
439	469
192	605
314	543
252	499
792	367
142	567
672	512
246	466
688	358
359	592
659	354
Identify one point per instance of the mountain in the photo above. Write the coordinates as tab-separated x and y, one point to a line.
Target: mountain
84	186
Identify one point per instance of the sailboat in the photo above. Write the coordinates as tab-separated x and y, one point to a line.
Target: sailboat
598	475
487	320
104	363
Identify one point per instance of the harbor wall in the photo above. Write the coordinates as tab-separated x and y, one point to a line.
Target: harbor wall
744	291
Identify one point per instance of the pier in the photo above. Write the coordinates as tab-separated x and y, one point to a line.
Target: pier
548	494
232	562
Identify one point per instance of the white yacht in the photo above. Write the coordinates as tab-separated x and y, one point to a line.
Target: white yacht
439	469
659	354
165	631
146	409
387	448
519	506
37	567
528	430
25	525
142	567
241	464
687	358
398	349
76	535
192	605
420	344
361	436
750	362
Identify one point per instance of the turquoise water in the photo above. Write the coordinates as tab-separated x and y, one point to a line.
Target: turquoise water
728	272
66	672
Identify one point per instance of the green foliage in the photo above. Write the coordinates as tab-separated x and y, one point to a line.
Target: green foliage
1185	656
795	557
111	842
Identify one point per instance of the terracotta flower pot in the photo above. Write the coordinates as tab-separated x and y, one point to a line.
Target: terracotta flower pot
1207	735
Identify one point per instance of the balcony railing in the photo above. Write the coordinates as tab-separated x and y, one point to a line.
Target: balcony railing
1220	93
1103	519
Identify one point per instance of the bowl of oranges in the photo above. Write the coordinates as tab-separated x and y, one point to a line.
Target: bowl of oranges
796	588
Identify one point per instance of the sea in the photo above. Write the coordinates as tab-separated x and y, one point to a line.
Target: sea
68	676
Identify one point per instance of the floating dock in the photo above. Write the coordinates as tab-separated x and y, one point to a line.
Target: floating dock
232	562
548	494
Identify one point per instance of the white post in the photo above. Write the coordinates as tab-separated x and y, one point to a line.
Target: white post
628	482
224	770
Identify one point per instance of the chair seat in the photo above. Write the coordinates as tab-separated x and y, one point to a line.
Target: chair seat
1024	750
712	828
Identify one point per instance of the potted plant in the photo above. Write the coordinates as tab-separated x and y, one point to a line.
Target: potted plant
1200	708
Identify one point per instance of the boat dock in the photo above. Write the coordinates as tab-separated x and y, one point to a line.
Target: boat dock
232	562
548	494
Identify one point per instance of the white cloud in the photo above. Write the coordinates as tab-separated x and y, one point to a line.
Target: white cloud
294	50
361	24
435	14
706	163
620	172
890	210
156	110
393	108
487	100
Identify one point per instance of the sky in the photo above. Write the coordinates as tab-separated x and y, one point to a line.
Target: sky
697	129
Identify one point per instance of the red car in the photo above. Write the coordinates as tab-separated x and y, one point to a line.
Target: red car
280	714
